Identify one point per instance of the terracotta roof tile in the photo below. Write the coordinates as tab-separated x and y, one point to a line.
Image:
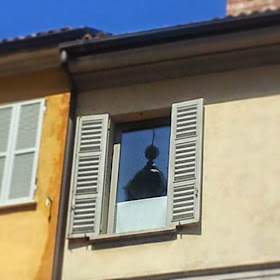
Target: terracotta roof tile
86	33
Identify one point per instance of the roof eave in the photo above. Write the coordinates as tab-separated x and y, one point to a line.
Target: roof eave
45	40
171	34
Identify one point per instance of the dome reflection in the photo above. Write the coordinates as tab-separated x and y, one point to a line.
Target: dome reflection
149	181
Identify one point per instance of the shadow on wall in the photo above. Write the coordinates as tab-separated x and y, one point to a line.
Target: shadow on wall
18	208
214	88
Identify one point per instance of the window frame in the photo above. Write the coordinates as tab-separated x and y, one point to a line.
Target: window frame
120	128
12	151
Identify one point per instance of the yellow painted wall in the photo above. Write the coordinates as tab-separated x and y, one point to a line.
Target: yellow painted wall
27	234
32	85
240	223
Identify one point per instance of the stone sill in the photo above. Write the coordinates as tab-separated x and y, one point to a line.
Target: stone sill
133	238
17	207
106	241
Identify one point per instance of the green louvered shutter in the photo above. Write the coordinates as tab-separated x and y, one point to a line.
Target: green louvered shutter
88	174
184	178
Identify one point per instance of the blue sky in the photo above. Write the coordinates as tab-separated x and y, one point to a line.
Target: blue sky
22	17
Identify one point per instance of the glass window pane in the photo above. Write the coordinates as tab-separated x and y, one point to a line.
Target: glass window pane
133	160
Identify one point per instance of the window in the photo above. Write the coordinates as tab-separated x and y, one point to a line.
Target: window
20	131
95	195
141	177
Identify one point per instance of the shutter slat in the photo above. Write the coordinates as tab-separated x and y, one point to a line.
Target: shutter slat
81	216
85	169
21	176
88	175
184	147
87	219
183	192
85	178
187	118
185	152
183	197
185	162
5	123
186	110
186	133
2	165
178	217
81	227
177	209
85	172
90	139
28	125
185	126
88	208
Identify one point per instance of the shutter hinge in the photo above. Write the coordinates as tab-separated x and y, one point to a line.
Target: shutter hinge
35	187
179	226
35	183
196	192
45	106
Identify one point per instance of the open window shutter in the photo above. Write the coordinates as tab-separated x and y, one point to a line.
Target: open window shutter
184	178
5	129
88	174
25	150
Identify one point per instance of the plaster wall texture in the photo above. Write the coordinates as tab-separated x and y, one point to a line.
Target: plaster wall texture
240	222
236	7
27	234
32	85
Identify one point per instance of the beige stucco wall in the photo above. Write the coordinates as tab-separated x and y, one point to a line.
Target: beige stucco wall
27	233
240	223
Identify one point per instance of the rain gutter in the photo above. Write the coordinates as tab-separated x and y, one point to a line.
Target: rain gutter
172	34
66	173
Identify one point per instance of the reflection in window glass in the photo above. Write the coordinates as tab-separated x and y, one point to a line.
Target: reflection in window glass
143	171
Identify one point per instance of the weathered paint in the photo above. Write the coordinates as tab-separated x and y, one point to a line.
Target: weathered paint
240	222
27	234
32	85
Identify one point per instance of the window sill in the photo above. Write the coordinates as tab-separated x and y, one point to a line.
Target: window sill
107	241
133	238
23	206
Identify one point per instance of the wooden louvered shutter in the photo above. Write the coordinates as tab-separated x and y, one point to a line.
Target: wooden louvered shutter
25	152
88	174
22	130
184	179
6	113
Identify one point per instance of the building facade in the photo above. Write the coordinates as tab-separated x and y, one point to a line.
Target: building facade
150	155
217	83
34	105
